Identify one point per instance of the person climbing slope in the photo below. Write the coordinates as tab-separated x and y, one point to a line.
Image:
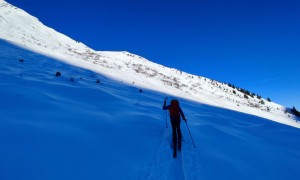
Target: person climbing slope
175	112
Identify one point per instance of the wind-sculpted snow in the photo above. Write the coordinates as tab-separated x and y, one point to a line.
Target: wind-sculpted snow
55	128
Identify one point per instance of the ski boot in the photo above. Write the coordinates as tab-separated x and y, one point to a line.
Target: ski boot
175	154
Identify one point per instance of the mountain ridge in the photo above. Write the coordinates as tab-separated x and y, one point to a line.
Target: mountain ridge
24	30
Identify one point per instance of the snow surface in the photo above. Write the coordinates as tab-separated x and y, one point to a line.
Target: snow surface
71	127
53	128
22	29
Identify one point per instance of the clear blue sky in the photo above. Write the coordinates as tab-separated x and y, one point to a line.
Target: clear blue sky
252	44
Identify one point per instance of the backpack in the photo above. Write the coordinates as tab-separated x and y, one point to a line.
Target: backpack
174	109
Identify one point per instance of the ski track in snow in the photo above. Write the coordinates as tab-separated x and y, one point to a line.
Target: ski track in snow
177	166
191	163
163	165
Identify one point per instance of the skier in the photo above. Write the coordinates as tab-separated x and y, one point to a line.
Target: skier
175	112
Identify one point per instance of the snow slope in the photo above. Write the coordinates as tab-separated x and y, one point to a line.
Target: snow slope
24	30
53	128
71	127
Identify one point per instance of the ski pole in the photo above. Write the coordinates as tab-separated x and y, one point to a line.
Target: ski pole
166	119
190	134
166	114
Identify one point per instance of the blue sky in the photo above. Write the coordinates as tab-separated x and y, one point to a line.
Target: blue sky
252	44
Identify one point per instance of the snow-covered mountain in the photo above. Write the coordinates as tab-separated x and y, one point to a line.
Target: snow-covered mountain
24	30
